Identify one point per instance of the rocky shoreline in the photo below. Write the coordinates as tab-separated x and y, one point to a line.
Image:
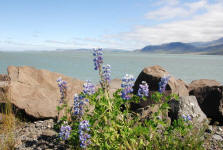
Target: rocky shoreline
35	92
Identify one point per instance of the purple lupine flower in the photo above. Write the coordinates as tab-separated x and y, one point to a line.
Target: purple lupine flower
79	102
63	87
143	89
84	125
84	139
89	88
127	84
65	132
186	118
106	72
98	58
83	133
163	82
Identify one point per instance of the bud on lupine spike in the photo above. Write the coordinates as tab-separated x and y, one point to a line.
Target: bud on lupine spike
98	58
106	72
89	88
143	89
163	82
186	118
63	87
79	103
127	84
83	133
65	132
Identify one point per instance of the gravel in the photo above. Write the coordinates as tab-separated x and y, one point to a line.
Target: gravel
214	138
40	135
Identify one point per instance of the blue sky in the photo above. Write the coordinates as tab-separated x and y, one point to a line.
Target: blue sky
122	24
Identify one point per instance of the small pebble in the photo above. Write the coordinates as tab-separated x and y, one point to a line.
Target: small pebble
217	137
219	129
209	129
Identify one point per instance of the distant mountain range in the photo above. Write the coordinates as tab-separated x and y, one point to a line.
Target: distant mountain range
210	48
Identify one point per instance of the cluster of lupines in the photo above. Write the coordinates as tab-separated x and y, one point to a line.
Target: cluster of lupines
79	102
127	84
143	89
83	133
89	88
186	118
163	82
106	73
63	89
64	132
98	58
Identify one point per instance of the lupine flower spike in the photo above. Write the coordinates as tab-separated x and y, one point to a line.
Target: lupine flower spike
163	82
64	132
63	89
106	75
143	89
89	88
186	118
106	72
98	58
83	133
127	84
79	103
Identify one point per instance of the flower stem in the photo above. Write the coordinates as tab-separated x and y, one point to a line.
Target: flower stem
103	84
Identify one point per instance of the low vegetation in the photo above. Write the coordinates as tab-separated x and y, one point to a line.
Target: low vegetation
98	120
7	126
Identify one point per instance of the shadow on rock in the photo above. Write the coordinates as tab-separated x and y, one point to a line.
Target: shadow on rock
46	142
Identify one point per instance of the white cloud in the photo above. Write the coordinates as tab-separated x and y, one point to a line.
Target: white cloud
106	41
200	27
173	9
58	42
167	12
74	43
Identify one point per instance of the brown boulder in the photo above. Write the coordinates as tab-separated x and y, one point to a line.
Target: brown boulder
115	84
36	91
203	83
152	76
209	95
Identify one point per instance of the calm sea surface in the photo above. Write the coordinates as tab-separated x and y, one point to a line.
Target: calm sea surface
80	64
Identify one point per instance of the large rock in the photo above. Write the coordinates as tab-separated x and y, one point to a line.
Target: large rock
152	76
36	92
115	84
203	83
209	95
187	106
